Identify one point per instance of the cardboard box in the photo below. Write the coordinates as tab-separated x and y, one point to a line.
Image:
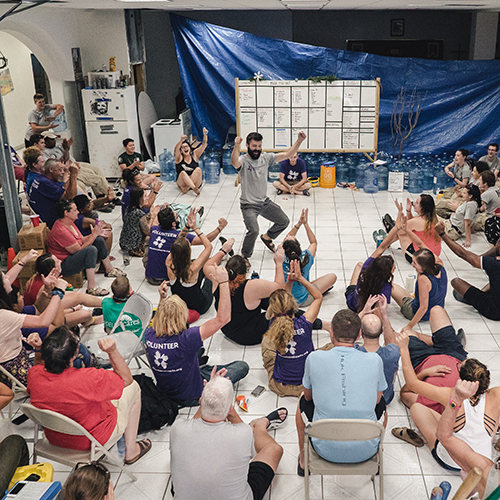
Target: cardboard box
75	279
29	268
33	237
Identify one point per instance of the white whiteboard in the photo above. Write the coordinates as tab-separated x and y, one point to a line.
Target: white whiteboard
336	116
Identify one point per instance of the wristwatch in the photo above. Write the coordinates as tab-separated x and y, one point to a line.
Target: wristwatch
454	404
58	292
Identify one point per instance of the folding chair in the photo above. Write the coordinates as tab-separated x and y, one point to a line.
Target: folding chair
17	388
333	429
128	344
54	421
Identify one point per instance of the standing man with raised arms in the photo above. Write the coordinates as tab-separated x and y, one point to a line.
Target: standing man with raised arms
253	168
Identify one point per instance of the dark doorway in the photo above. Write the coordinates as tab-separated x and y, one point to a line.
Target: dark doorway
42	84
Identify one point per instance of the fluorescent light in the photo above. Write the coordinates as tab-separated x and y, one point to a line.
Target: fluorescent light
147	1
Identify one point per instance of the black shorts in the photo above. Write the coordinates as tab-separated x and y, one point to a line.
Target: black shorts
483	302
260	476
350	289
410	250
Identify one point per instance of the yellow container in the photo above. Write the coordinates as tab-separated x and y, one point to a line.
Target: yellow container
314	181
327	177
45	471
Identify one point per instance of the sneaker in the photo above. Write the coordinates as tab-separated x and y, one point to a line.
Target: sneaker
375	237
458	297
201	211
461	337
116	201
96	311
306	192
105	209
388	222
280	191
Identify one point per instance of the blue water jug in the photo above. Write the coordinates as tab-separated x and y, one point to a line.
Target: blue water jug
427	178
314	166
370	185
341	171
440	179
227	166
201	164
163	165
360	176
273	173
383	178
352	168
171	171
212	169
414	180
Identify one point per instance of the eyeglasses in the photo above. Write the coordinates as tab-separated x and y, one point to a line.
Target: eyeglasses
97	465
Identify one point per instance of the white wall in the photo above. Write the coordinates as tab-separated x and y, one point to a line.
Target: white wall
19	102
483	35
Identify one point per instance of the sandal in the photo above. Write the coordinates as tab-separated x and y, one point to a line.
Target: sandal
274	419
408	435
300	471
136	253
269	243
145	446
97	291
115	273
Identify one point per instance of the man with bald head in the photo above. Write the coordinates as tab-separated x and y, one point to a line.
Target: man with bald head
372	328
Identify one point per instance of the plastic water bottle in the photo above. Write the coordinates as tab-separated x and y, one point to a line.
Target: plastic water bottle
163	166
414	180
370	185
439	179
410	284
360	176
427	178
341	170
255	275
227	166
201	164
273	173
383	178
212	170
171	172
120	445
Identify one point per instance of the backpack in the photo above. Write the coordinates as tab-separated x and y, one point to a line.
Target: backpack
157	409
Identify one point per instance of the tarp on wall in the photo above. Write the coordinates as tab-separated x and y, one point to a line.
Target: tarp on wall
461	110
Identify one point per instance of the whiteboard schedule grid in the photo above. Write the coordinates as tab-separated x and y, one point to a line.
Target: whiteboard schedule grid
339	116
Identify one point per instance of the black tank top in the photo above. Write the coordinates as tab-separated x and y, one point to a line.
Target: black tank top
189	168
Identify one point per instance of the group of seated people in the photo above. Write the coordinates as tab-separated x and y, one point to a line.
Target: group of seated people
448	394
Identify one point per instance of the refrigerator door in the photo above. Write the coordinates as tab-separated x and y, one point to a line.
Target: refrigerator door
105	144
108	105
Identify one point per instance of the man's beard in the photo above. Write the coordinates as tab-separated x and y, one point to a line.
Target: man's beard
254	154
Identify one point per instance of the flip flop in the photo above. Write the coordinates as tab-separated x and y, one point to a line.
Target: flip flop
275	420
408	435
269	243
300	471
145	446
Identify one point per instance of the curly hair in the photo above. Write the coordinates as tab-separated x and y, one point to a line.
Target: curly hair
293	252
373	278
282	307
237	267
473	370
181	259
428	213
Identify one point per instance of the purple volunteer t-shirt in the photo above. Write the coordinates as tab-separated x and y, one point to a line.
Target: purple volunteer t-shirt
44	194
160	243
289	367
352	299
79	224
293	172
175	364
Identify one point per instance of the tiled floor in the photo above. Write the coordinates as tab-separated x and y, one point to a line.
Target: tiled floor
343	221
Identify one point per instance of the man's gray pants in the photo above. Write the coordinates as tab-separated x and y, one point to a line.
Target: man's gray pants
270	211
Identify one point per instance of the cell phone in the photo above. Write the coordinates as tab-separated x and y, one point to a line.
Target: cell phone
33	477
258	391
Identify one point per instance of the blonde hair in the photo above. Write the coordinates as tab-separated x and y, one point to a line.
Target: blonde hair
282	307
31	151
171	316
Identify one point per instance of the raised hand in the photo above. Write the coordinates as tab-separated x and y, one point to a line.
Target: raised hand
439	228
465	389
222	222
220	274
304	216
228	245
205	131
50	281
191	219
238	141
34	340
163	289
301	136
279	256
402	340
295	272
107	344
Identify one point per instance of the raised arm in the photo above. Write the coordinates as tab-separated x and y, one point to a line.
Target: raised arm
235	155
389	333
199	151
120	367
291	151
295	275
71	188
424	288
222	223
14	271
472	258
223	317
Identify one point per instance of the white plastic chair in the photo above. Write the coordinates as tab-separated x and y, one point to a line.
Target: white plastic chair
333	429
17	388
128	344
56	422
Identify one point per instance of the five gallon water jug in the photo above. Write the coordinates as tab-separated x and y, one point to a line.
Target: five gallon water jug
440	179
227	166
427	178
360	176
370	185
171	171
163	165
201	164
383	177
341	171
273	173
352	165
212	170
414	180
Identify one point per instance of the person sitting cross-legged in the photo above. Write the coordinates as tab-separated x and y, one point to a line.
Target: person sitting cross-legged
211	454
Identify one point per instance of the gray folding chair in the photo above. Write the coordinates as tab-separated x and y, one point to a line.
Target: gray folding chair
333	429
17	388
54	421
128	344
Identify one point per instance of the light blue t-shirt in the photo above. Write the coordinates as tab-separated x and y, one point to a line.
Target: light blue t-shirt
299	291
344	383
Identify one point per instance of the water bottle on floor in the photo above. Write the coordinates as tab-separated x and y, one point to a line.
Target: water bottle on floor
120	445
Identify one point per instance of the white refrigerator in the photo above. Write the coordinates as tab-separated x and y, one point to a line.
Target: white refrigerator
110	117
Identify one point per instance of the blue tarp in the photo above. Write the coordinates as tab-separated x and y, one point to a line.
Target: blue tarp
461	110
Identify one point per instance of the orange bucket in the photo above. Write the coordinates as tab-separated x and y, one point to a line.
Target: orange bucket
327	177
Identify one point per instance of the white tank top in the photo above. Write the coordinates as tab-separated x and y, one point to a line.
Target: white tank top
473	433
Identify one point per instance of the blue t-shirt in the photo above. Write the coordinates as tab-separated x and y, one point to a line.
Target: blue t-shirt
160	243
352	298
175	364
289	367
43	195
437	295
390	357
43	332
126	201
79	224
299	291
344	383
293	172
29	180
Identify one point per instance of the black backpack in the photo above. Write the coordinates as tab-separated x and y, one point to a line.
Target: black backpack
157	409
